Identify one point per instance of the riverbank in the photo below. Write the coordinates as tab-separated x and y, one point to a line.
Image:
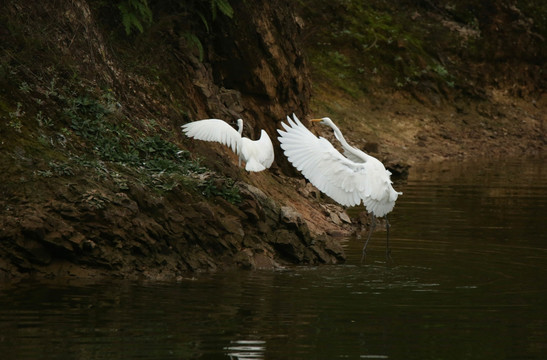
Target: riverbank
98	180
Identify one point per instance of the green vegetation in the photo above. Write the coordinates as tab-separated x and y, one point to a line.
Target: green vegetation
224	188
418	47
138	14
162	164
135	15
59	122
365	44
90	135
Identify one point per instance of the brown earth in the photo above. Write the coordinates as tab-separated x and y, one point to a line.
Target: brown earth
400	130
61	216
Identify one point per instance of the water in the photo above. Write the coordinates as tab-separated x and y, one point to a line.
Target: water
468	282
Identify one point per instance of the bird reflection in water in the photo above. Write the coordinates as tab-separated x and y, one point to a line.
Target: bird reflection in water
246	349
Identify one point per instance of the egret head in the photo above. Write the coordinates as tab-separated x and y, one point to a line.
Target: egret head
324	121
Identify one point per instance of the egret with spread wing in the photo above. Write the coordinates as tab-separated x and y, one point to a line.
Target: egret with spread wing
347	179
257	154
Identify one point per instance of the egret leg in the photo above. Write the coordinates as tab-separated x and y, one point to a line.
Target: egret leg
388	248
372	226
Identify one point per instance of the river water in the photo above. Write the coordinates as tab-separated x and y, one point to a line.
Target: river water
468	281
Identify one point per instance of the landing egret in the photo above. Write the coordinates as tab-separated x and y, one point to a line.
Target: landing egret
258	154
347	179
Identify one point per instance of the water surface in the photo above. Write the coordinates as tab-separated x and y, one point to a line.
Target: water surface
467	282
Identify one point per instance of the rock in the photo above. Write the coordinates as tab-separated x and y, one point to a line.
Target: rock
335	219
288	245
290	216
344	217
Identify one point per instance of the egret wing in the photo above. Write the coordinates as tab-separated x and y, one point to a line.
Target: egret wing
265	153
214	130
379	194
258	154
250	153
323	165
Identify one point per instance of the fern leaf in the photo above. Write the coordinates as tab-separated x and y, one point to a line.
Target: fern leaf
225	7
134	14
204	21
194	40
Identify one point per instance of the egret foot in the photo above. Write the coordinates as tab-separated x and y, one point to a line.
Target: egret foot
363	256
372	226
388	248
389	259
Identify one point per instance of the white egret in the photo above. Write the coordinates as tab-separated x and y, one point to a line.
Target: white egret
347	179
257	154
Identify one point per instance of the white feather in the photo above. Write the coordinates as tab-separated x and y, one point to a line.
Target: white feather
347	180
257	154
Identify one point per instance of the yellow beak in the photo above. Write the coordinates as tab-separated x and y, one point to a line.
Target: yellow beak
316	120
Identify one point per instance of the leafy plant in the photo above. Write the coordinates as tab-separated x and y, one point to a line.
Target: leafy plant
117	142
215	6
135	15
15	118
24	87
223	187
44	173
61	169
51	89
194	40
154	147
223	6
43	121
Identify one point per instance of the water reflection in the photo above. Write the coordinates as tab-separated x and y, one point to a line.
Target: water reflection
246	349
469	249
